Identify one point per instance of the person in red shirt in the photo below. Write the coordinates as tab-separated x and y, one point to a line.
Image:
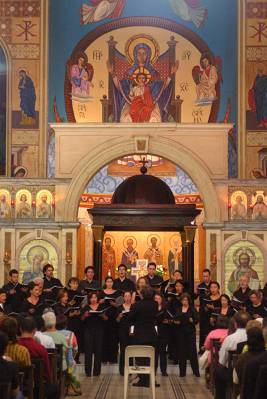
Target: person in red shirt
28	329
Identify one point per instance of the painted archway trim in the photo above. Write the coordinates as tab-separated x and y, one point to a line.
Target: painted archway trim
106	152
158	22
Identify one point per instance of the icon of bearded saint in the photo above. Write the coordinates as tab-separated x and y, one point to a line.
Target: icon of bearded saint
97	10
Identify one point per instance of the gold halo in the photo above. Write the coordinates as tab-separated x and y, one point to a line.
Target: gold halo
127	238
141	38
244	250
151	236
143	71
37	249
172	238
111	239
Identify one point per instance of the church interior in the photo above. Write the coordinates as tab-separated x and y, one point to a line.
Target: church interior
135	132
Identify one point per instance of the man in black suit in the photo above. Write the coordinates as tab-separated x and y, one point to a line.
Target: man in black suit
4	308
89	283
122	283
15	291
51	284
152	279
142	317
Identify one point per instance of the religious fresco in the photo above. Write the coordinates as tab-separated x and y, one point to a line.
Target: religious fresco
24	204
3	115
44	209
97	10
33	256
135	77
20	24
256	89
136	249
239	206
190	10
5	204
243	258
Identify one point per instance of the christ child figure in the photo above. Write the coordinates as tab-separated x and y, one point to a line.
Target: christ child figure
142	103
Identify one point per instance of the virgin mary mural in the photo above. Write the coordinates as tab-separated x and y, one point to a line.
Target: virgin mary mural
140	93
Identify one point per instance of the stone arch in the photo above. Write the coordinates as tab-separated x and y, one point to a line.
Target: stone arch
106	152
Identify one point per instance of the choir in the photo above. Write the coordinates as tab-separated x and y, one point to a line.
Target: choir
105	319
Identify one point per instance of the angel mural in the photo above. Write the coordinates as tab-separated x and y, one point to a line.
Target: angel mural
140	92
97	10
80	74
190	10
207	78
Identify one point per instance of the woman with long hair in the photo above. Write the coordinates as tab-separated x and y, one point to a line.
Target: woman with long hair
186	319
93	317
111	340
163	323
124	326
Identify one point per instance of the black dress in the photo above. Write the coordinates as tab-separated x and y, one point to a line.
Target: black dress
123	332
186	331
164	331
74	322
111	339
93	327
203	291
36	311
216	303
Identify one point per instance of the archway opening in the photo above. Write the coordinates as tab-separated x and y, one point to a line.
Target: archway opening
100	190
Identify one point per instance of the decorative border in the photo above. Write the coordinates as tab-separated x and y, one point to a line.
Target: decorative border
159	22
88	200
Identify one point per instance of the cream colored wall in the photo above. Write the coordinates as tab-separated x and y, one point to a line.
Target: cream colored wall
200	150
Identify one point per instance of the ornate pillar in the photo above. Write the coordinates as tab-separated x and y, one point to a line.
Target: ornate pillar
188	236
98	233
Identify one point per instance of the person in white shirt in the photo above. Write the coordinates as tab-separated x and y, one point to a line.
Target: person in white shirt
44	340
229	344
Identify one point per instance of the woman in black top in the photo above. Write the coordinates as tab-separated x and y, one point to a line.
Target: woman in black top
225	310
74	323
142	317
124	326
174	304
33	304
163	323
93	317
256	307
186	318
212	304
110	344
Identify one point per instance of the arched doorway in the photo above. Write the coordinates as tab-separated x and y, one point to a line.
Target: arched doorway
166	148
99	192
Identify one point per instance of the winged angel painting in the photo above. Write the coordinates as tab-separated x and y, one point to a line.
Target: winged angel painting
97	10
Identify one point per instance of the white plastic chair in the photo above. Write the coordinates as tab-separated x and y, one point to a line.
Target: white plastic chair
138	351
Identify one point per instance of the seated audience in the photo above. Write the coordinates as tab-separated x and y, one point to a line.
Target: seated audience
9	372
58	338
73	385
222	376
37	351
256	346
14	350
